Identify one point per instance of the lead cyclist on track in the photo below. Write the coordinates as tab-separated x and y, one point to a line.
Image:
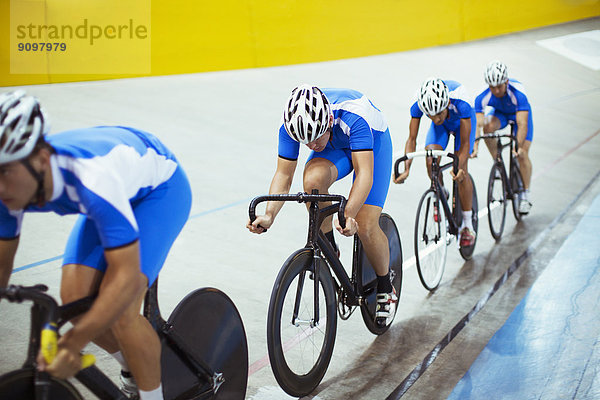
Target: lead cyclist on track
132	197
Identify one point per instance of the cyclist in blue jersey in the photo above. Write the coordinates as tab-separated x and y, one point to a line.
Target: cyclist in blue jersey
446	104
508	102
346	133
132	197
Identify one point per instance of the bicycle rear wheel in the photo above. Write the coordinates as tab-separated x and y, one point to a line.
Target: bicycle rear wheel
516	183
299	348
210	326
467	252
496	202
367	279
20	385
431	240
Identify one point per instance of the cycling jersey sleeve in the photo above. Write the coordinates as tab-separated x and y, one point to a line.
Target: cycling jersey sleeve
288	147
359	133
415	111
479	103
464	108
10	222
522	102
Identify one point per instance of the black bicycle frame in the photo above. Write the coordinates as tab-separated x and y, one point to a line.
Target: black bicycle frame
318	243
500	160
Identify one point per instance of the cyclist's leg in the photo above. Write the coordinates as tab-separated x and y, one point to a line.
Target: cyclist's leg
524	160
170	204
465	187
493	122
372	237
321	171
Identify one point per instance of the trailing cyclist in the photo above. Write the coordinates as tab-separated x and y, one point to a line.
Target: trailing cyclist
346	133
132	197
508	102
446	104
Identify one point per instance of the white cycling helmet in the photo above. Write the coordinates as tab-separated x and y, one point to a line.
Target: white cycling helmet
306	114
433	96
496	73
22	123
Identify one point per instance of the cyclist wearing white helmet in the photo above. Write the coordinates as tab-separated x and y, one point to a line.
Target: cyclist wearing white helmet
446	103
346	133
121	182
507	101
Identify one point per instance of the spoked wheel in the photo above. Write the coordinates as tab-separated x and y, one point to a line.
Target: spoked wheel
496	202
467	252
210	327
431	240
516	183
368	279
300	347
20	385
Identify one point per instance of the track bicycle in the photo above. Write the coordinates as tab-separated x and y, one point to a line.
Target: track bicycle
436	223
204	348
302	319
503	186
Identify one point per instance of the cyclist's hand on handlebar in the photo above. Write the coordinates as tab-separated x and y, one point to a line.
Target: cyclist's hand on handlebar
66	363
475	152
350	229
459	176
260	224
402	177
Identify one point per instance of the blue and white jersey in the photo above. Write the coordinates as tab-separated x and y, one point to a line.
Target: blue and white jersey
356	121
513	100
458	106
101	172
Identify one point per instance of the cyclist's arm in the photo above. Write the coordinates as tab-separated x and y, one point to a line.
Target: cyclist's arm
478	133
8	249
121	285
409	147
522	119
363	164
281	183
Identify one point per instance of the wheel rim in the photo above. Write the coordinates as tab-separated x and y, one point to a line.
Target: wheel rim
516	183
430	241
496	203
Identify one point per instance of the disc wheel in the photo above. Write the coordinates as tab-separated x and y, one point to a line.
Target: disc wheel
496	202
367	283
430	240
20	385
516	183
211	328
467	251
300	347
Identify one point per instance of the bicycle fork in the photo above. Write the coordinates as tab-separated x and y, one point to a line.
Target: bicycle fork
314	271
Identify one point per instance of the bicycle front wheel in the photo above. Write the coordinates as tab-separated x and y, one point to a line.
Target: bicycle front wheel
516	183
300	346
368	279
208	325
496	202
20	385
430	240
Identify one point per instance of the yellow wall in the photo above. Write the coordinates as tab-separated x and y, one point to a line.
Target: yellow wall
196	36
